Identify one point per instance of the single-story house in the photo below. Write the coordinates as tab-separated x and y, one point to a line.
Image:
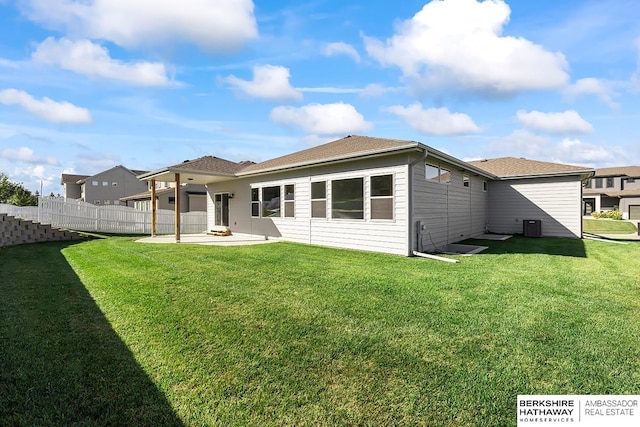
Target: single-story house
384	195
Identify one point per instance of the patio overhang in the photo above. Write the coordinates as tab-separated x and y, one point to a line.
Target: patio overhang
187	176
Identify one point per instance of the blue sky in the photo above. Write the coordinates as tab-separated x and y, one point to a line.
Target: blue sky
89	84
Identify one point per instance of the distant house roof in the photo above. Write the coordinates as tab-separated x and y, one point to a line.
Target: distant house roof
633	171
514	167
67	178
347	148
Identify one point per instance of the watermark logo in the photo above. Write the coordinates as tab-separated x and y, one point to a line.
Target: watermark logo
578	410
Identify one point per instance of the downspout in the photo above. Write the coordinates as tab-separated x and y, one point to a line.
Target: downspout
411	221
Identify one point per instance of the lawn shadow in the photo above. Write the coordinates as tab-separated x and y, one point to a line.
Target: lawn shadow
562	246
61	362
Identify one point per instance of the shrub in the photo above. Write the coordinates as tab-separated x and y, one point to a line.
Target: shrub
614	214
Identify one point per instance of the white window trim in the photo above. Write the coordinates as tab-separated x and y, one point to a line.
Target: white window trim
392	197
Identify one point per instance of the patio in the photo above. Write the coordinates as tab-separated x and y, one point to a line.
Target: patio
207	239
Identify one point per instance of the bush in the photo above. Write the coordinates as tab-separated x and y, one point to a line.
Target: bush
614	214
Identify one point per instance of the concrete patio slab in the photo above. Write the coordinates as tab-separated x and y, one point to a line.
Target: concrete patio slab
206	239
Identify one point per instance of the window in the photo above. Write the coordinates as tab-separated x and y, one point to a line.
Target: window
437	174
107	202
588	184
598	183
271	202
465	181
94	183
105	184
631	180
255	202
319	199
381	197
610	182
347	198
96	202
114	184
484	185
432	172
172	200
289	197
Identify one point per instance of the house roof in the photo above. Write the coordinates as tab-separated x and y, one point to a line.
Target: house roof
198	171
67	178
514	167
348	148
633	171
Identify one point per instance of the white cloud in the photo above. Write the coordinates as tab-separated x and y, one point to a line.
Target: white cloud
574	151
45	108
322	119
87	58
434	121
341	48
214	25
566	122
520	143
592	86
374	90
459	44
26	155
269	82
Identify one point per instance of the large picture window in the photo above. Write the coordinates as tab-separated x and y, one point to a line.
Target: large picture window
319	199
271	202
347	198
382	197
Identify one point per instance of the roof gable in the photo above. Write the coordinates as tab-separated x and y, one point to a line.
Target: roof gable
67	178
210	164
513	167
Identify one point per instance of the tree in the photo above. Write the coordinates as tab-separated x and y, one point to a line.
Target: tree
15	194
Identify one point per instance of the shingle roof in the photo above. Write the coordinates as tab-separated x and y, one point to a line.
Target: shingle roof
633	171
515	167
345	148
67	178
211	164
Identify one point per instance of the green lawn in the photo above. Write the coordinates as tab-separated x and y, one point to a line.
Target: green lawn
113	332
608	226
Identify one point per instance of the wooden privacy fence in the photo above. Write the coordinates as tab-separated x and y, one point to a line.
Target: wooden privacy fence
82	216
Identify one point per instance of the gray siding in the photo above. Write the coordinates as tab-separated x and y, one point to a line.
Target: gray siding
389	236
555	201
450	212
112	185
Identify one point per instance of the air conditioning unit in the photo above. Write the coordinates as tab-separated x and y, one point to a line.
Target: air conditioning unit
532	228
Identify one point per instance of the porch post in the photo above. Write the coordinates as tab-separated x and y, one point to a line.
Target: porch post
177	208
153	208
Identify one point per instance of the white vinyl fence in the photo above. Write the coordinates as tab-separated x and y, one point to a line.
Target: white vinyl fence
81	216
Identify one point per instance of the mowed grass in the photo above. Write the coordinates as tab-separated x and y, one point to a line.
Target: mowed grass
608	226
287	334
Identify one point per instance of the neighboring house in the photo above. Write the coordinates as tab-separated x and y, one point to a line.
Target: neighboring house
385	195
72	186
104	188
193	198
614	188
